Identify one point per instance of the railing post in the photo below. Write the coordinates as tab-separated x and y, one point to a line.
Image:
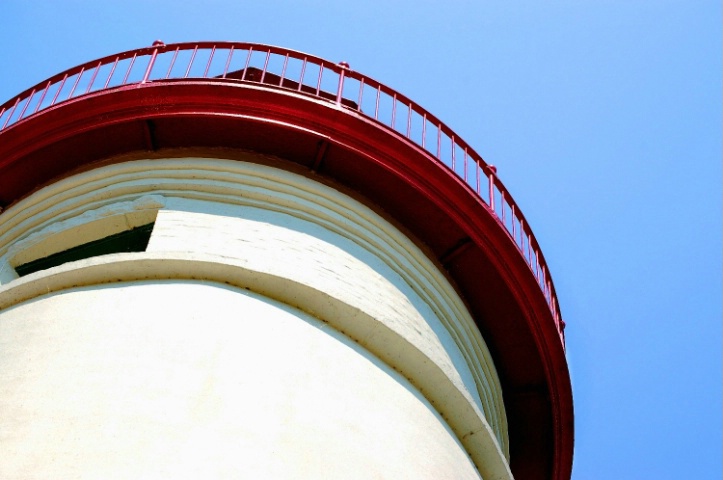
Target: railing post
27	104
491	180
156	44
340	88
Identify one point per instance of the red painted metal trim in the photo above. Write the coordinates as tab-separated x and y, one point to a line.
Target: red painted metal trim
364	155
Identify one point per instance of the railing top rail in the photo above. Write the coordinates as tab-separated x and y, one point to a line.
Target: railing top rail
307	74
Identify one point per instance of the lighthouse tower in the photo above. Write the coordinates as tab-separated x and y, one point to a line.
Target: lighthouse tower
231	260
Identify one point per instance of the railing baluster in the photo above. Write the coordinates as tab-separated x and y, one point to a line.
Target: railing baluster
173	62
301	75
208	64
130	67
27	103
529	250
540	274
228	62
110	75
92	79
318	80
340	87
248	60
502	207
548	289
409	121
522	237
266	65
439	141
42	97
11	113
376	107
149	68
466	164
60	87
190	62
361	92
454	164
283	70
77	80
424	130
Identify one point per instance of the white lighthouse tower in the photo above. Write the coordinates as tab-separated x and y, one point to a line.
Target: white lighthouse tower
229	260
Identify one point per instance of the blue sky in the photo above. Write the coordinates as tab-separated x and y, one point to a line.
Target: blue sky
604	120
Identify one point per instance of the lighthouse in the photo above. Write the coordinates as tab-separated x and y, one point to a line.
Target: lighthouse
232	260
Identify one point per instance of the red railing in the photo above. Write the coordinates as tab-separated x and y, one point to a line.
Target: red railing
288	69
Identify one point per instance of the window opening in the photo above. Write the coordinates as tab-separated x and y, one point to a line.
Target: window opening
134	240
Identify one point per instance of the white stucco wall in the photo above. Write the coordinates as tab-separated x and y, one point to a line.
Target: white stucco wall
199	380
422	385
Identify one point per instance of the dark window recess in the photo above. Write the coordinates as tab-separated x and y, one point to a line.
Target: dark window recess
134	240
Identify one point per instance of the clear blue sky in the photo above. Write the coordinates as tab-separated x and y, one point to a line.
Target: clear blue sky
604	119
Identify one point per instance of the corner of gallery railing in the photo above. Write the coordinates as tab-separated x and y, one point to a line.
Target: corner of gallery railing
306	74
